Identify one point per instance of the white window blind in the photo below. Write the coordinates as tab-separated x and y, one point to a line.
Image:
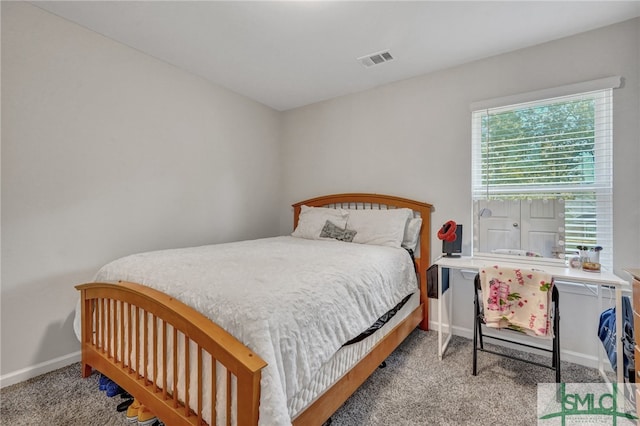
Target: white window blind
557	148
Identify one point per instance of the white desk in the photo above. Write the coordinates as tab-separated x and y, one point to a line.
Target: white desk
604	279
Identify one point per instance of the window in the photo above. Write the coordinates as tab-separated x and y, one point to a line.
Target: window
542	176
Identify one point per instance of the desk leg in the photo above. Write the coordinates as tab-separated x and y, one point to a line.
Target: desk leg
443	343
601	350
619	347
440	348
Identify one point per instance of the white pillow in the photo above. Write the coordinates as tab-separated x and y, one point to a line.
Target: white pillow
312	220
379	227
412	233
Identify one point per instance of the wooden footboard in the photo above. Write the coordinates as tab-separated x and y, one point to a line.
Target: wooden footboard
133	335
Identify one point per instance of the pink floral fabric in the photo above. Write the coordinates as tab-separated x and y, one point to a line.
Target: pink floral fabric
518	299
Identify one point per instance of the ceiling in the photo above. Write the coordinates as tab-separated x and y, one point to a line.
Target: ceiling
287	54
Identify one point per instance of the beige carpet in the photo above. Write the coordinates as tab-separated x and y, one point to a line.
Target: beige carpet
414	389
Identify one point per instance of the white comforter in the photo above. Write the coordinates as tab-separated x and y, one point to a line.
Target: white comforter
293	301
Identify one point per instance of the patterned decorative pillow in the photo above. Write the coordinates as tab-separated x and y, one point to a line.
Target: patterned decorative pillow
330	230
313	219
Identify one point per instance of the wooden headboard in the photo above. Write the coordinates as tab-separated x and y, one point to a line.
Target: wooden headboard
378	201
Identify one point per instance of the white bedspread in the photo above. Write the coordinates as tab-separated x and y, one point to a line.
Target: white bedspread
292	301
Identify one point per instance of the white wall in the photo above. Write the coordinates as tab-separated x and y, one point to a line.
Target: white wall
412	138
106	152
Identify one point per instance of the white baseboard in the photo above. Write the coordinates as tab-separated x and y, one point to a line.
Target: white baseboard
586	360
38	369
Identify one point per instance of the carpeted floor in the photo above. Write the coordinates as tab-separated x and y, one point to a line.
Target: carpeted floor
414	389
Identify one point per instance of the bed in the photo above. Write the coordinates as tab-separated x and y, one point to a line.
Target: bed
159	325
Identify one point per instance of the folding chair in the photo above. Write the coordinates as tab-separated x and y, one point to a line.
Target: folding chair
484	302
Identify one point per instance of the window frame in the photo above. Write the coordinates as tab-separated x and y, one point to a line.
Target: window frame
602	93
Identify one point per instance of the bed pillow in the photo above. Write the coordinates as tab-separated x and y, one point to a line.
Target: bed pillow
412	233
379	227
312	220
330	230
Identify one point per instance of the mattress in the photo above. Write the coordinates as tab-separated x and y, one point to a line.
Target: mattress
345	359
293	301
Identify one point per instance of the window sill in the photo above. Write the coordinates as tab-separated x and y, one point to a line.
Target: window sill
529	260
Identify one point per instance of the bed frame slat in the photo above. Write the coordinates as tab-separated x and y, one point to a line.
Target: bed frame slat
145	343
154	322
214	389
187	376
175	367
164	360
199	388
229	398
121	333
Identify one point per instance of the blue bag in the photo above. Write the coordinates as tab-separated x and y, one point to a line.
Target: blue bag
607	335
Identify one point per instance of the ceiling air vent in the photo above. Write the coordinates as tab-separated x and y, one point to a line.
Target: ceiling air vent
375	58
